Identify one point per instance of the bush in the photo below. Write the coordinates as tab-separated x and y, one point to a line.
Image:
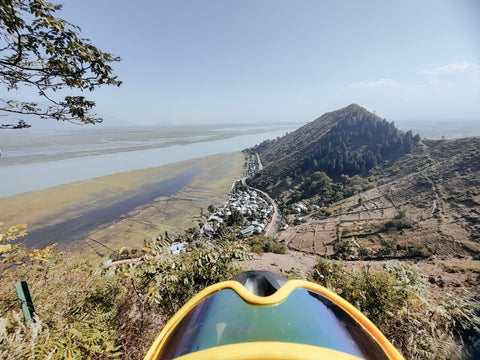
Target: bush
171	280
401	221
397	301
377	294
261	244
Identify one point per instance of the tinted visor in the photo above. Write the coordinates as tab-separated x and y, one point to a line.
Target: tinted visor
304	317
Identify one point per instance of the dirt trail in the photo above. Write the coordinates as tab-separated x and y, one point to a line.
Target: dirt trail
281	263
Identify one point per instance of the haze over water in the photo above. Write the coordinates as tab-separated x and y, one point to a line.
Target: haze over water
23	167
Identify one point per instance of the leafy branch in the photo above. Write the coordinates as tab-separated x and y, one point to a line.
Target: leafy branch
46	53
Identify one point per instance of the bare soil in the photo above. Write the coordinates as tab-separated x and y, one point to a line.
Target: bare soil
281	264
448	278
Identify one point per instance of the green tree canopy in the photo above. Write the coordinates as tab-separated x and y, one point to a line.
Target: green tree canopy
46	53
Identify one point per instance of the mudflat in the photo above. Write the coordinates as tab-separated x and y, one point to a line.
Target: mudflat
99	215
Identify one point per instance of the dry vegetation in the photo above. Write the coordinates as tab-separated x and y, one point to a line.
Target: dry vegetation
173	214
423	211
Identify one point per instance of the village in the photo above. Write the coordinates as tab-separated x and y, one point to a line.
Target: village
251	210
245	208
248	211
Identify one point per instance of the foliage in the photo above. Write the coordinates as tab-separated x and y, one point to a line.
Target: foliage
377	295
20	125
170	280
400	221
75	310
18	253
323	191
235	218
348	148
425	181
46	53
261	244
77	306
468	195
11	234
397	301
13	252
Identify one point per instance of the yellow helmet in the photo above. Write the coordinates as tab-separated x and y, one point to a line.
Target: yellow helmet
260	315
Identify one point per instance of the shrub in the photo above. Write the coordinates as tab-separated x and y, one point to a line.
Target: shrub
261	244
171	280
401	221
377	294
397	301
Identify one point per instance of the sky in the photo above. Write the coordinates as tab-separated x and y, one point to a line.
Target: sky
276	61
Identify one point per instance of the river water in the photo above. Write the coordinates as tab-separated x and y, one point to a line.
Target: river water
35	161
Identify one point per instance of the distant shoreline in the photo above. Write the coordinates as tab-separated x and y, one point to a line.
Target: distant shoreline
78	157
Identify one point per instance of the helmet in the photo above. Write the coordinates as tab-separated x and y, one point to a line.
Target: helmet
260	315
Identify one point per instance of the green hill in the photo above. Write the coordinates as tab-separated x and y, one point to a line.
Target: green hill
347	142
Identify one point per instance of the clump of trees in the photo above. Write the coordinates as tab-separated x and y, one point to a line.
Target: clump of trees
322	190
261	244
356	145
20	125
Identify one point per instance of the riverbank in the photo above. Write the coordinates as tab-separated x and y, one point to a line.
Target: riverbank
183	188
33	161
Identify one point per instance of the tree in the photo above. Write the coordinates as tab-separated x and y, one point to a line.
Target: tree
235	218
46	53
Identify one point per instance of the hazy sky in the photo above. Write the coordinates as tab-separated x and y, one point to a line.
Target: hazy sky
253	61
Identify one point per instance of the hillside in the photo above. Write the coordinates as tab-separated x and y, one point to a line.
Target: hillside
422	205
350	141
416	203
373	191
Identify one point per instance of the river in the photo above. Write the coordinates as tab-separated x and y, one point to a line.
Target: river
35	161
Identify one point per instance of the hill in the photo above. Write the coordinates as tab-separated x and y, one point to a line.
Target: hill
350	141
425	204
354	192
369	190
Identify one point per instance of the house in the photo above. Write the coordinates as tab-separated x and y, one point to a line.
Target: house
299	208
248	230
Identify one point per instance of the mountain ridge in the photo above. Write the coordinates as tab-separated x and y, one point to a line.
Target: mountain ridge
320	125
349	141
372	190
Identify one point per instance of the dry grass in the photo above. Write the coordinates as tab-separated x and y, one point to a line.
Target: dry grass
171	214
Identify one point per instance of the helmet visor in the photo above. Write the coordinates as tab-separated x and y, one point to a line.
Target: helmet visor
303	317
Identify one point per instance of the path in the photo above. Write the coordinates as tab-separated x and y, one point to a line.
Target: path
271	227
